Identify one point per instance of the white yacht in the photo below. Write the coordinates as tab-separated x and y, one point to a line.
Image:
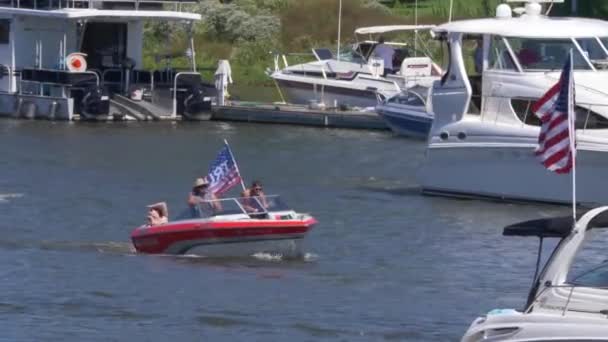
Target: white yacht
483	136
568	300
61	59
355	77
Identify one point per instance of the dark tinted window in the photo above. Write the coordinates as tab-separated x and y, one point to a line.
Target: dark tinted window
585	118
5	29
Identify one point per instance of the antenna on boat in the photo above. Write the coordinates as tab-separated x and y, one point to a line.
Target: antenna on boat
339	28
416	29
450	13
572	133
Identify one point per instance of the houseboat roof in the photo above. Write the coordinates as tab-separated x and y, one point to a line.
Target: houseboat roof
391	28
529	27
84	13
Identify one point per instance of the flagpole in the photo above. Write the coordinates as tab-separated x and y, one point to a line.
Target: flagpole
236	166
571	123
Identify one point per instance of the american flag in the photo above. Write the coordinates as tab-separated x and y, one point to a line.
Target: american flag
223	173
555	109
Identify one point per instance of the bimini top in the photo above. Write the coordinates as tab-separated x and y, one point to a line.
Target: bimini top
85	13
391	28
529	27
553	227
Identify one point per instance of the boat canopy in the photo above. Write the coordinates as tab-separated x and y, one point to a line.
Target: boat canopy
553	227
391	28
529	27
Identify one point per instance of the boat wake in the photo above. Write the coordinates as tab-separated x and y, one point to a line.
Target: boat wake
111	247
265	256
6	197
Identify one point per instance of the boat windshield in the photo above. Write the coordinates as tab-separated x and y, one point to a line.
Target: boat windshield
351	54
235	206
542	54
590	266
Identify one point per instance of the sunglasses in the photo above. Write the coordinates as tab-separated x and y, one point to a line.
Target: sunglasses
257	189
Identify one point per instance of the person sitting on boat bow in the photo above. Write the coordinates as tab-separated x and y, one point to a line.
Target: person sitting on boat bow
201	193
249	196
158	214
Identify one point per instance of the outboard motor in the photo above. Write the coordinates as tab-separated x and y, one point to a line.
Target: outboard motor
95	104
197	102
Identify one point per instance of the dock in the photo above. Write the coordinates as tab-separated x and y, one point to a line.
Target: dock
297	115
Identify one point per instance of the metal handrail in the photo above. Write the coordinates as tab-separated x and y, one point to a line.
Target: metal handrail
72	3
52	84
239	203
175	88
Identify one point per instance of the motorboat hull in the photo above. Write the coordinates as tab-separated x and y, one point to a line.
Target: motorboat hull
407	121
303	93
511	173
515	326
196	237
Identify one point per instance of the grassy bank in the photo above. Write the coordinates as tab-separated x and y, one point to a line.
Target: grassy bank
247	32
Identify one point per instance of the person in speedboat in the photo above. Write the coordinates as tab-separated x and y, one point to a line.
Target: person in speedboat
201	193
250	195
386	52
157	214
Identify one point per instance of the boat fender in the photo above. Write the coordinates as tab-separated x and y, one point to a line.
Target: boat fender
94	103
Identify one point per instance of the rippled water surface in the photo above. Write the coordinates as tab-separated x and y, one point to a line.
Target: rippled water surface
384	263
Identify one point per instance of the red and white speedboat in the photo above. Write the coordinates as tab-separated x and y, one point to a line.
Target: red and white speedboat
226	228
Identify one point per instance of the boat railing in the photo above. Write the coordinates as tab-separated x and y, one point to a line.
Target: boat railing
586	116
181	74
44	79
109	78
255	206
177	5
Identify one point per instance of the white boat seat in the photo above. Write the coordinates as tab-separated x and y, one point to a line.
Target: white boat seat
416	67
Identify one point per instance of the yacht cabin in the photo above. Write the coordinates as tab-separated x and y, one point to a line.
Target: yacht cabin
498	66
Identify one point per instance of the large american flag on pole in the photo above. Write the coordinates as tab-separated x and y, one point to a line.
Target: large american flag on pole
223	173
555	109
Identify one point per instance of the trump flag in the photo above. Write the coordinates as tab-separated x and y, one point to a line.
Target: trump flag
223	173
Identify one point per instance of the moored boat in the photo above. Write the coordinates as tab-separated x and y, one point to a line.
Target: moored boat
407	114
274	229
354	77
484	135
568	298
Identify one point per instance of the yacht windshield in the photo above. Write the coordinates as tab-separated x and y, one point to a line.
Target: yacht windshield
350	54
543	54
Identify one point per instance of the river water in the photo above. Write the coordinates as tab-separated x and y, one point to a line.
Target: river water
384	263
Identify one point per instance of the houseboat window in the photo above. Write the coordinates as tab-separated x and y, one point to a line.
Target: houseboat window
546	54
499	57
5	30
585	118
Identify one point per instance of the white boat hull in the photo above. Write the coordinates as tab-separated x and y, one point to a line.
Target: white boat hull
304	93
511	173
